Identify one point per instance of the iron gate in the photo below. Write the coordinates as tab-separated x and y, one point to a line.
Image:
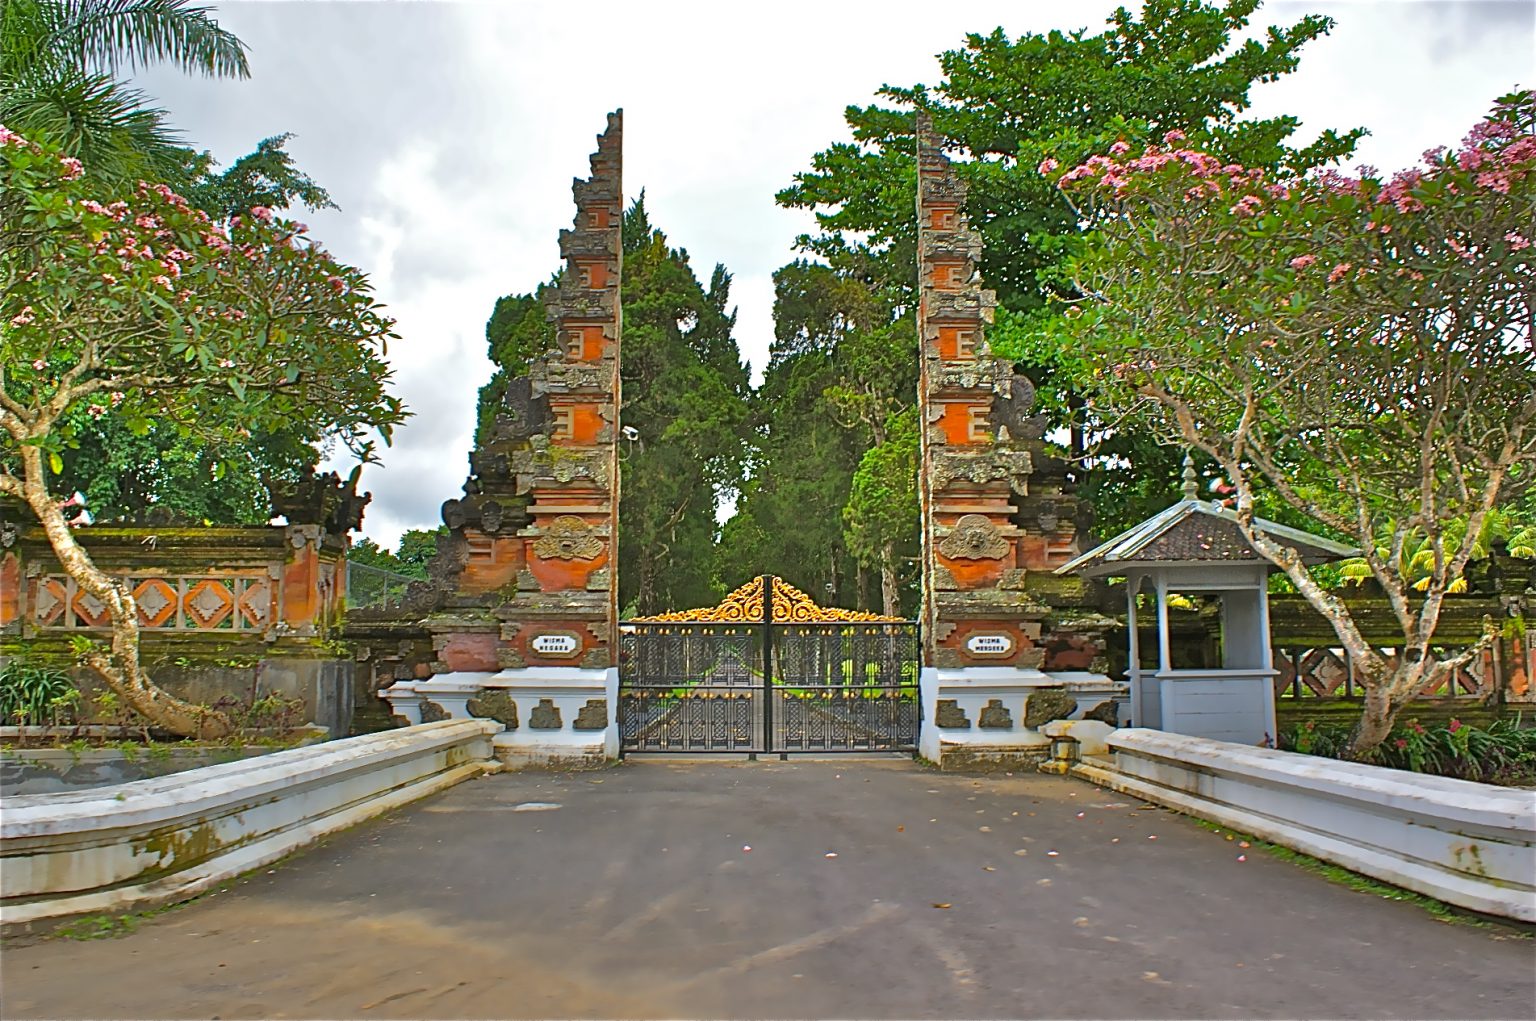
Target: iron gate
805	679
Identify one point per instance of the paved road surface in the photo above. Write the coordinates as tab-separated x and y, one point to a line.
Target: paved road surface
637	898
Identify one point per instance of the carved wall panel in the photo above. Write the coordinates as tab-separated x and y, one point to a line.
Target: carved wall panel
246	601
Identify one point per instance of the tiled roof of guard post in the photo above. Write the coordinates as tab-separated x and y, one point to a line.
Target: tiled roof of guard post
1196	531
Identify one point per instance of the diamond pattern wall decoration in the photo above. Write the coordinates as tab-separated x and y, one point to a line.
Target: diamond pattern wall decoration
208	603
89	610
239	602
52	598
156	599
255	605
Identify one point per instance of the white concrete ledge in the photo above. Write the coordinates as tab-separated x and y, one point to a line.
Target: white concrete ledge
1468	844
168	838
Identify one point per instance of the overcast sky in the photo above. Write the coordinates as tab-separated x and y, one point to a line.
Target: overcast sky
448	133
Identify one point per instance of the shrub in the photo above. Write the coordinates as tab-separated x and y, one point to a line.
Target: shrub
1502	752
32	694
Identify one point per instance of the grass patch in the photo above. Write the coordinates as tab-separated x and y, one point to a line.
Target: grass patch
1437	909
90	927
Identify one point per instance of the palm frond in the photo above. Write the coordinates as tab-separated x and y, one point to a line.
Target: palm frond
102	35
109	127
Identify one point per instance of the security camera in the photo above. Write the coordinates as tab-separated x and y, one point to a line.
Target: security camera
630	433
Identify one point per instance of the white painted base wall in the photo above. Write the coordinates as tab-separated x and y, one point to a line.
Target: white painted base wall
972	688
566	689
1468	844
137	844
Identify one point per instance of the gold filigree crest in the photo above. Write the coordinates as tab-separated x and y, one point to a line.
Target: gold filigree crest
790	606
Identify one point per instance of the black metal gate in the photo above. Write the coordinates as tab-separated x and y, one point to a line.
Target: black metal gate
693	682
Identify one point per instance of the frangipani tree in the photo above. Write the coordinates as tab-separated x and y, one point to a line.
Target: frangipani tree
143	309
1357	346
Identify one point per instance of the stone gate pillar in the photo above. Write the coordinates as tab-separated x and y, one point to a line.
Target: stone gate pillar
996	513
522	601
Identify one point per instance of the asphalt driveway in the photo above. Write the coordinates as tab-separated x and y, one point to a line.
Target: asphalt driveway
853	889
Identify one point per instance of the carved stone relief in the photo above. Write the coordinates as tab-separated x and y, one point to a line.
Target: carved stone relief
593	715
974	537
995	716
568	538
495	705
1013	412
545	716
1012	466
1041	707
950	716
522	413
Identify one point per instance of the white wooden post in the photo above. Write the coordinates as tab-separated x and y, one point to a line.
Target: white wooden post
1133	667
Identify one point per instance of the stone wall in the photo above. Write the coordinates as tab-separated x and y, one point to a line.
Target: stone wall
224	612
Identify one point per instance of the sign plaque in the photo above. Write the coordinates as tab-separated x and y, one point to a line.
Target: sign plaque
555	644
989	645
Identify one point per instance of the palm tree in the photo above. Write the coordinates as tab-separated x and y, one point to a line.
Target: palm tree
59	61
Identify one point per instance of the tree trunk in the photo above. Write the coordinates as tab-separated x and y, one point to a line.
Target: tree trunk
118	665
1375	723
645	594
889	593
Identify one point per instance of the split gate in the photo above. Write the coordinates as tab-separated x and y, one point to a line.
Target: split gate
801	678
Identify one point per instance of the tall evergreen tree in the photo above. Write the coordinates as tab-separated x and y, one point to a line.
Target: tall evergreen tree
839	376
684	392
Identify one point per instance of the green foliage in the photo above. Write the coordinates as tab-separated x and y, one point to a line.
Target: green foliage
1005	105
1511	527
270	712
843	369
266	177
125	475
59	60
211	333
92	927
1356	348
416	547
33	694
59	66
1503	752
801	464
883	506
1367	357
